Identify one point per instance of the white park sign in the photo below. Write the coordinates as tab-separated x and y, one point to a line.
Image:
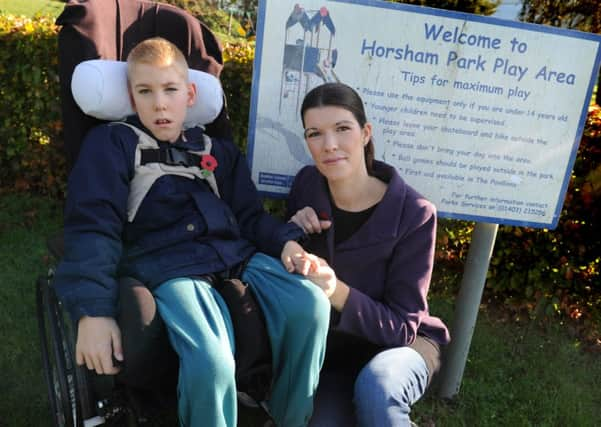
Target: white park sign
482	116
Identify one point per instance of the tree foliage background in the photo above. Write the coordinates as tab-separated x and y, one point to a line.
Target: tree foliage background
479	7
583	15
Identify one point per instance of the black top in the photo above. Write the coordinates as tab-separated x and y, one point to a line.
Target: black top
348	222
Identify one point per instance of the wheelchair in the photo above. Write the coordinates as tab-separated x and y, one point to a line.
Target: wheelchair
74	400
81	398
100	29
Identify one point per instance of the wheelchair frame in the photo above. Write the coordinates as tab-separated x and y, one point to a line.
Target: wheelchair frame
80	398
73	402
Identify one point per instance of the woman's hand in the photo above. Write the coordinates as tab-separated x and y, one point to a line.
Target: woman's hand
98	339
316	269
307	219
322	275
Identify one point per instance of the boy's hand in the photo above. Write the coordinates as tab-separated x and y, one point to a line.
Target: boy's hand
98	339
296	259
307	219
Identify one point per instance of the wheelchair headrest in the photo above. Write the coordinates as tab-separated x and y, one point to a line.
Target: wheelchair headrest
99	87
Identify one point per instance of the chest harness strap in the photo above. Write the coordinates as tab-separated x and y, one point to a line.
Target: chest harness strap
152	162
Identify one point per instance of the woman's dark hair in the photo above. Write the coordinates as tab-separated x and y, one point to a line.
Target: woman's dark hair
343	96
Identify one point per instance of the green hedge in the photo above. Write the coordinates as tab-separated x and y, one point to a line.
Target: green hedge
218	20
31	157
539	271
558	271
236	79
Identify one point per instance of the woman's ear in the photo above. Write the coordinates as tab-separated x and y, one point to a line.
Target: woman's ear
366	133
191	94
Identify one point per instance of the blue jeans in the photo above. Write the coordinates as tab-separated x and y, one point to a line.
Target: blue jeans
380	396
200	330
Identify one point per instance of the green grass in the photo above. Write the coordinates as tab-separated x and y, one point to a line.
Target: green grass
24	225
31	8
517	374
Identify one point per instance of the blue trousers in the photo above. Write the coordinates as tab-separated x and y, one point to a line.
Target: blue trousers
380	396
201	332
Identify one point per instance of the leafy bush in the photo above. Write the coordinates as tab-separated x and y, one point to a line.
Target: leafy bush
31	158
236	79
480	7
583	15
452	243
217	20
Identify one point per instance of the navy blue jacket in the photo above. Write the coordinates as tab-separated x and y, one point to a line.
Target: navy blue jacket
181	228
387	262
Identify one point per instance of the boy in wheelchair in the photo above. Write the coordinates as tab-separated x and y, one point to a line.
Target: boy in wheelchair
171	224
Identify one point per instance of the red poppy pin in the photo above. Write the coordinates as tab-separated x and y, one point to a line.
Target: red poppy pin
323	215
208	164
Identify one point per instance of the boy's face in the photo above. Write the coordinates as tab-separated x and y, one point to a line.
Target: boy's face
160	96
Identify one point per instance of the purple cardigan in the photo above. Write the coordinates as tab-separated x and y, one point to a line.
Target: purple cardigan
387	262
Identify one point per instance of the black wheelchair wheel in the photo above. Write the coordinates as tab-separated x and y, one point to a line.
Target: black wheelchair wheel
68	392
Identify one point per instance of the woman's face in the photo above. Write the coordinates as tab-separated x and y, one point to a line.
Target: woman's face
336	142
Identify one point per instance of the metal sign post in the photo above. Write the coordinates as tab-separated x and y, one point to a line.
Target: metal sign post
466	307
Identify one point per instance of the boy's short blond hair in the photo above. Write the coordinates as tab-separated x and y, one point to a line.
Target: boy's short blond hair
158	52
